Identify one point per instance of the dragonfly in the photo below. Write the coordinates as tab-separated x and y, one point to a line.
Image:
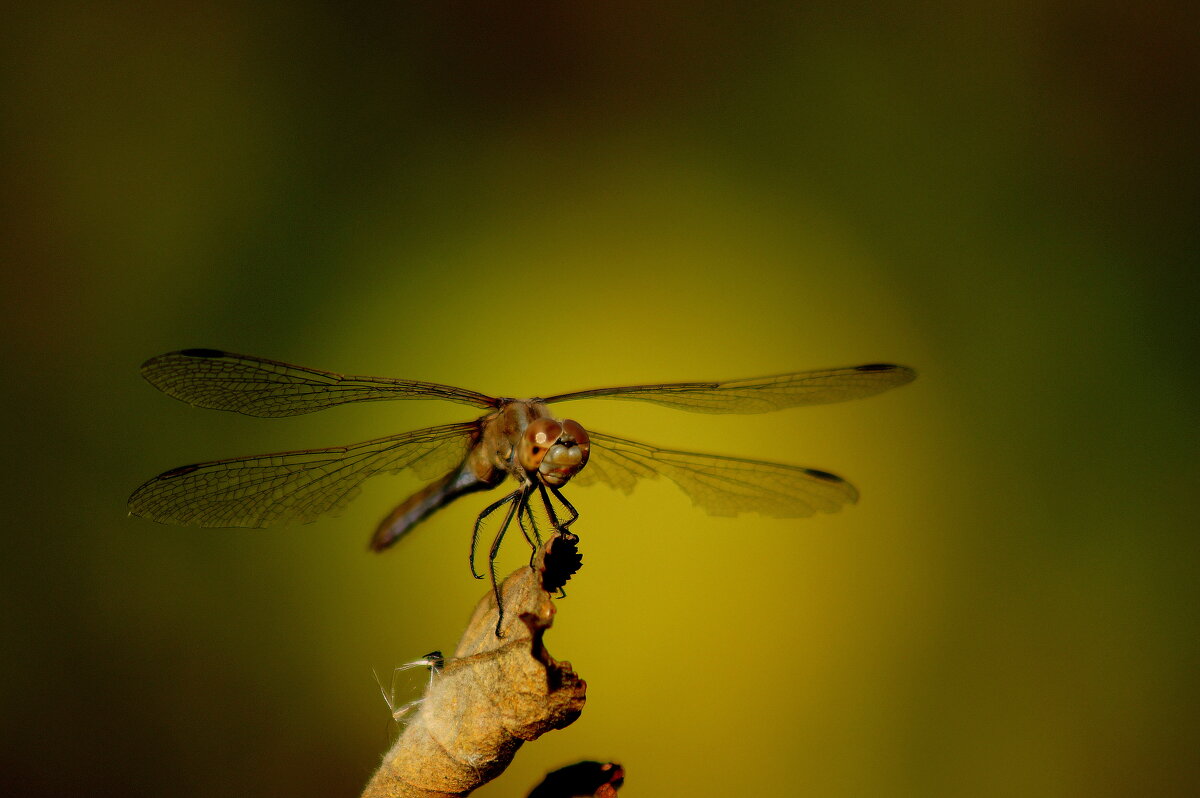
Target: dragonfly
520	440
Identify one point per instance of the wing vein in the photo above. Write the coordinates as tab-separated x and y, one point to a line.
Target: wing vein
259	387
760	394
718	484
299	486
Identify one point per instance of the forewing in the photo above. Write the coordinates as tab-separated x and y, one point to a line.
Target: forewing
443	456
716	484
259	387
291	487
760	394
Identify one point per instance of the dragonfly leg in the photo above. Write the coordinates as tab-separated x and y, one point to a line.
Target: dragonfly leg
570	508
558	525
537	535
491	508
515	509
535	542
550	513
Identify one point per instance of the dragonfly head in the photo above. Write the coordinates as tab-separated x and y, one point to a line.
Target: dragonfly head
554	450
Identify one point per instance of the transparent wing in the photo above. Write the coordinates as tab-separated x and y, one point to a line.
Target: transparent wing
259	387
760	394
716	484
291	487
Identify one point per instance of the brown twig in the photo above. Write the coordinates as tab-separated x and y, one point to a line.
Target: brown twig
493	695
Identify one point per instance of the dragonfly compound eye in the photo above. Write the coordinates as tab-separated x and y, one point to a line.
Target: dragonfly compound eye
560	464
568	454
573	431
539	436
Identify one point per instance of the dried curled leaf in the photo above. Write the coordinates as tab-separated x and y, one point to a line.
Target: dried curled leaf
492	696
582	780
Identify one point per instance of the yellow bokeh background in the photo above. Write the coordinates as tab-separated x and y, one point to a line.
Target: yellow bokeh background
541	199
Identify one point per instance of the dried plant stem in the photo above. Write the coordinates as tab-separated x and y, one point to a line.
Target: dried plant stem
493	695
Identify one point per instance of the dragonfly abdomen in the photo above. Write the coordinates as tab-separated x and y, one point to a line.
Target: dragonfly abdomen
424	503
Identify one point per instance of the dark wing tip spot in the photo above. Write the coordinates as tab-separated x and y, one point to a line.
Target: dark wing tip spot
825	475
202	353
178	472
877	367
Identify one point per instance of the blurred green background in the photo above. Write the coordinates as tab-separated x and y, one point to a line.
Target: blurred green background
548	197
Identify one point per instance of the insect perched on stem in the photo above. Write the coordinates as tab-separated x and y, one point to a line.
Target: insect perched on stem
519	439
